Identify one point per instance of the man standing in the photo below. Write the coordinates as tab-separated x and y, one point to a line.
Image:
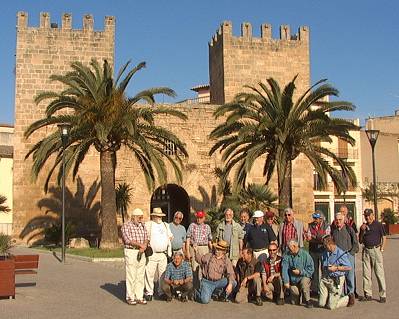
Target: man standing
248	277
217	272
159	239
297	271
373	237
270	220
179	233
290	229
199	235
348	219
345	238
335	264
271	276
178	278
316	230
259	236
231	232
244	222
135	240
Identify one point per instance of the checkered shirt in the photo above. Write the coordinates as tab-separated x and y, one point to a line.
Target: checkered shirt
132	232
199	234
178	273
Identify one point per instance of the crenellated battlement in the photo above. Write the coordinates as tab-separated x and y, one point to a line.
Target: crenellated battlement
225	32
66	23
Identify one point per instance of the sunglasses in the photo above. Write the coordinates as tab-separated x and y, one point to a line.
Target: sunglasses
272	249
178	218
287	215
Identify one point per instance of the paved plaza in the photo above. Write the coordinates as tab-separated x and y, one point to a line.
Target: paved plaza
81	289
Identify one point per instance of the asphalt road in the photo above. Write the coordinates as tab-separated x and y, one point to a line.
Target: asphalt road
80	289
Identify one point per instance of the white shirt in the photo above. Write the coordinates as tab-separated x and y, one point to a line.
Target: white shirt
160	236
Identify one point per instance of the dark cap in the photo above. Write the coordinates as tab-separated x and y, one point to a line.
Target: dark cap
269	214
368	212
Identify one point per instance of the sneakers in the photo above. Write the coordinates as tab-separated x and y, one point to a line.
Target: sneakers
131	302
258	301
383	299
308	304
351	301
142	302
168	299
365	298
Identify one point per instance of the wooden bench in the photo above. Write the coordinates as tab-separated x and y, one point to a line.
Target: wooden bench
26	264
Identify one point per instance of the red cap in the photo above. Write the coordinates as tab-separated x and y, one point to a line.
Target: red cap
200	214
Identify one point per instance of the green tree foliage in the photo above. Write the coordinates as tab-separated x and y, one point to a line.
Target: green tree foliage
123	199
103	117
267	121
3	207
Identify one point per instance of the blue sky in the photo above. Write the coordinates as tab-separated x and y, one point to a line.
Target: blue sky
354	44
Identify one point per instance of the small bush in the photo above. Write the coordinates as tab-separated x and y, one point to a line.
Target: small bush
389	216
53	234
6	244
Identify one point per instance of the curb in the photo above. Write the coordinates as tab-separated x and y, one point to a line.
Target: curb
83	258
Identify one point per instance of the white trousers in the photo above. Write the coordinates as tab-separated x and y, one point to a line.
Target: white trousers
156	264
134	274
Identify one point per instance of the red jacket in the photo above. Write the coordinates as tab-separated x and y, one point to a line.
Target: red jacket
277	266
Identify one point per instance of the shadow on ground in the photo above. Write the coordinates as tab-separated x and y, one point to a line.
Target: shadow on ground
118	290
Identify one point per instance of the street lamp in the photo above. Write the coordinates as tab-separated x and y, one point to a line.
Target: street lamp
64	132
372	135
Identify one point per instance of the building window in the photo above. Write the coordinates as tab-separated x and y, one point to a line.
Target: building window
324	208
317	182
170	148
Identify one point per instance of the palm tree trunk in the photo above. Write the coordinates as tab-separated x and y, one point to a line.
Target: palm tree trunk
285	187
109	229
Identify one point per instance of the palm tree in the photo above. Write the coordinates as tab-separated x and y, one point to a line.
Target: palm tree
101	115
267	121
123	199
3	207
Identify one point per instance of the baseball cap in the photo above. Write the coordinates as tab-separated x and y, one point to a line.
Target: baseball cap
200	214
316	215
258	213
368	212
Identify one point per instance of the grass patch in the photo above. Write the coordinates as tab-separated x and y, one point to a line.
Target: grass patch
87	252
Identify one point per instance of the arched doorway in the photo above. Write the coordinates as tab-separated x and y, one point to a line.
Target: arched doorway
171	198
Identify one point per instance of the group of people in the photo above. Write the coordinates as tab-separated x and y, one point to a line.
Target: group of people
252	261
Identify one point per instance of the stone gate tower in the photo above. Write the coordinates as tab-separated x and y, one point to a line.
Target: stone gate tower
246	60
40	52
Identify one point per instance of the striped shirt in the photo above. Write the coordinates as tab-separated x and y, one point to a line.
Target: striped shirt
199	234
289	233
178	273
132	232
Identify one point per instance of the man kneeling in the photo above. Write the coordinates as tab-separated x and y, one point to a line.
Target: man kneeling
271	276
248	275
178	279
217	273
335	263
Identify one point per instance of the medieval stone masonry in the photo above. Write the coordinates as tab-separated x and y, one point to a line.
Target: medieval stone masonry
233	62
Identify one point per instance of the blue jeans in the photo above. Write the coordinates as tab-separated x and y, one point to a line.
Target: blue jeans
350	276
207	288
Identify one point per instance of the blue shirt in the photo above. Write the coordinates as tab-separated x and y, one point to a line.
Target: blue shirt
177	273
179	236
338	258
301	261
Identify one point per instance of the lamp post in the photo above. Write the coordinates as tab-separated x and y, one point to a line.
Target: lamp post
64	132
372	135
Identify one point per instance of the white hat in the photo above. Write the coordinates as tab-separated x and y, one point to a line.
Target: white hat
137	212
157	211
258	213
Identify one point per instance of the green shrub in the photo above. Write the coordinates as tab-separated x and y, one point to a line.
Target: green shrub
6	244
390	217
53	234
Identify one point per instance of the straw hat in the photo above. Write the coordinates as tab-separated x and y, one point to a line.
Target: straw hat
137	212
157	211
221	244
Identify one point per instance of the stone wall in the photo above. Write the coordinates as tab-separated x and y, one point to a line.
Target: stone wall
40	52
